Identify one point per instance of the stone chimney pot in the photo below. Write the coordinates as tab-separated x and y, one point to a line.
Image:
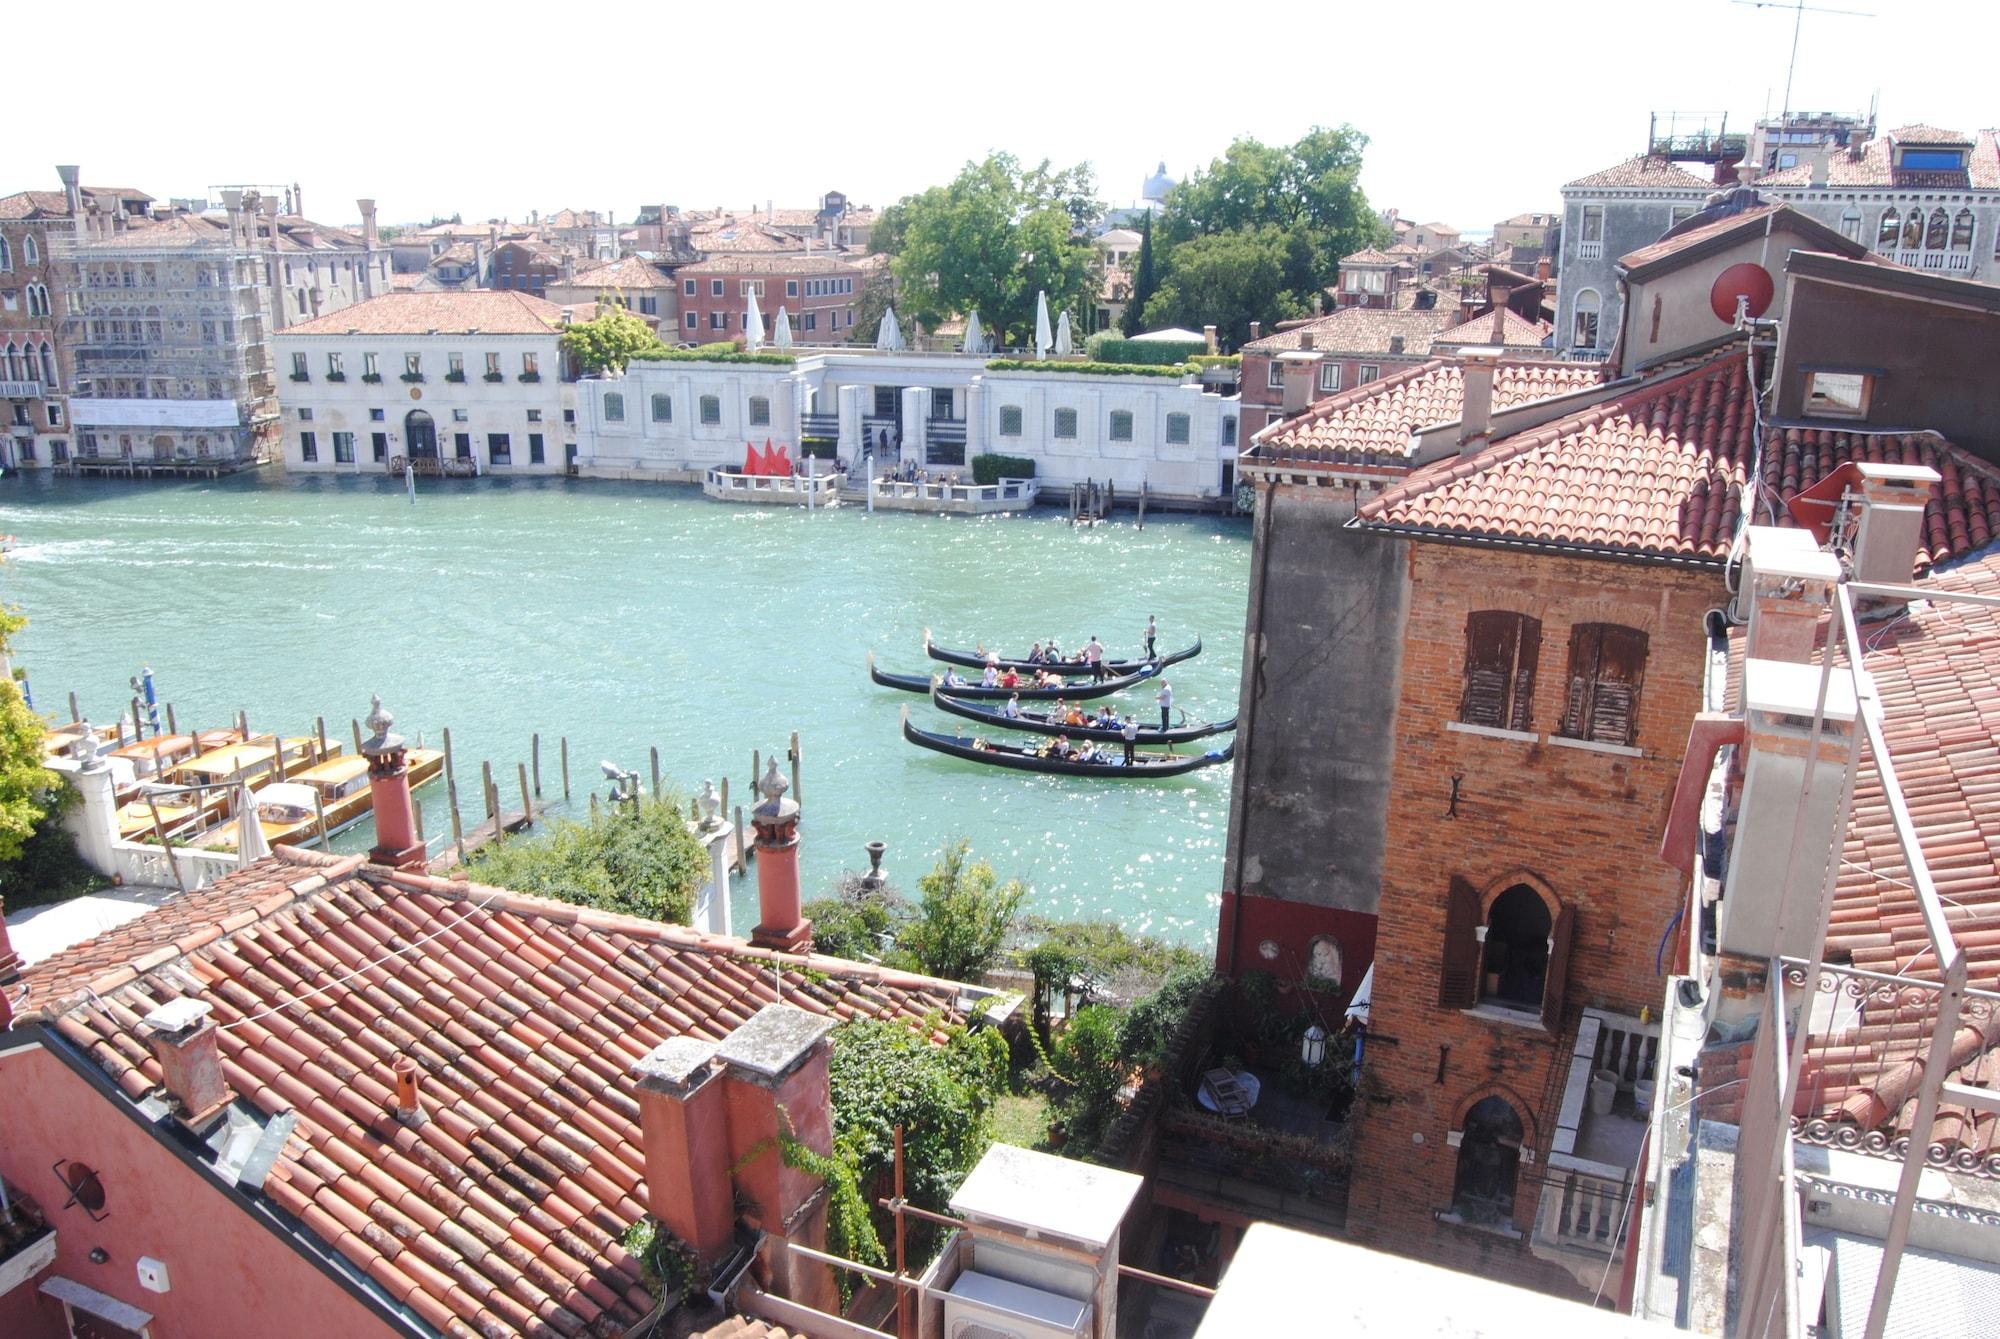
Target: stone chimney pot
1475	422
185	1041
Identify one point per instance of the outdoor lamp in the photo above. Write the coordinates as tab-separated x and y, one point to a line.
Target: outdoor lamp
1312	1047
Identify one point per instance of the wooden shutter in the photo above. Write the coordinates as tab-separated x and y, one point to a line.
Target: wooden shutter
1556	975
1458	974
1492	639
1607	665
1527	655
1583	644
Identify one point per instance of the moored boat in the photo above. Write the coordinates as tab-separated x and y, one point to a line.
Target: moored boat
1074	689
1102	761
337	791
1075	665
1050	723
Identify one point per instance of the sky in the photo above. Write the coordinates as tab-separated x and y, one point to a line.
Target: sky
1473	111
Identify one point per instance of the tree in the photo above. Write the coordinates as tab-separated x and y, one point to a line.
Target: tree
28	790
648	866
877	295
963	915
1231	279
858	921
993	238
1144	284
610	341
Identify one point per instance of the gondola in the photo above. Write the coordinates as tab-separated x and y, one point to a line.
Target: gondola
977	659
1039	723
1028	760
1075	691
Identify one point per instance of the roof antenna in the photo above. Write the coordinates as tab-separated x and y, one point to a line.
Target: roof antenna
1799	9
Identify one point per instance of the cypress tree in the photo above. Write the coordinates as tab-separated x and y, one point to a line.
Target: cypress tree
1144	284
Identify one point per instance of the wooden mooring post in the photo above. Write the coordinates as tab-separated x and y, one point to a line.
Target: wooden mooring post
742	850
487	794
172	728
565	766
795	768
417	813
656	771
356	725
451	797
535	753
527	803
74	714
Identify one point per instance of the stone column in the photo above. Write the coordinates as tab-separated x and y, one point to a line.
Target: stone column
94	823
848	403
396	842
975	419
916	409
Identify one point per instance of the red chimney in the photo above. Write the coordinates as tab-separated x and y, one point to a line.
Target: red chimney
684	1132
780	924
10	972
396	841
185	1040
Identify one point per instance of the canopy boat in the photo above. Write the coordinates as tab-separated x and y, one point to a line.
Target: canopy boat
179	811
253	760
1076	689
156	755
290	812
1049	723
1101	760
1073	665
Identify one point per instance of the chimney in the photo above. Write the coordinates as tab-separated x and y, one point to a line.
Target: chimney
185	1041
298	199
10	972
1744	172
1256	329
1887	522
409	1106
684	1134
72	193
1822	166
780	924
1475	421
1787	584
1208	335
1770	903
371	238
1542	270
232	203
396	841
569	267
1300	375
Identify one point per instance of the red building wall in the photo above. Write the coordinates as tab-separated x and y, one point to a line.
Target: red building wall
720	316
228	1273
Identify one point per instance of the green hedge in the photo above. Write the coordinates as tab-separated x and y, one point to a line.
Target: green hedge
714	353
1217	360
988	468
1152	351
1085	369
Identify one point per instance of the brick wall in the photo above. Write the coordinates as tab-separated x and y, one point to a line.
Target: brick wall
1583	824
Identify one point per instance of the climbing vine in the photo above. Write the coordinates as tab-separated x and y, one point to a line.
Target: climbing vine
668	1262
850	1228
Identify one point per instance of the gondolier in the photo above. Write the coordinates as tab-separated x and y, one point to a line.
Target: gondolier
1093	655
1131	733
1165	697
1152	634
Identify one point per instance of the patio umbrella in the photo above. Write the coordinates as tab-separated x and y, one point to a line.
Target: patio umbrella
1063	345
972	333
782	334
753	324
889	335
250	844
1042	337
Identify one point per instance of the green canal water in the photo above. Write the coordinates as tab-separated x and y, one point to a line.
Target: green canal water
634	616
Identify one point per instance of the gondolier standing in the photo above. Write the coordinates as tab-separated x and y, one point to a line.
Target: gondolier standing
1165	697
1131	734
1152	633
1093	652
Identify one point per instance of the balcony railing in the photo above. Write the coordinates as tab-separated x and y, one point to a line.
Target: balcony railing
1951	262
1274	1174
1589	250
20	390
1593	1157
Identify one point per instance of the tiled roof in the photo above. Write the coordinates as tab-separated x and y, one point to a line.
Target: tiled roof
1927	135
1659	471
502	1212
1370	426
1368	255
488	311
1875	168
34	204
1360	330
629	273
797	262
1500	328
1643	171
176	230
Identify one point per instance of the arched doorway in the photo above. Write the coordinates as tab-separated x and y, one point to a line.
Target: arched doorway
420	438
1489	1157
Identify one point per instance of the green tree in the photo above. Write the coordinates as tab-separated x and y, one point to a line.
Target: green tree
1231	279
28	790
646	866
991	239
610	341
1144	284
857	921
877	295
963	915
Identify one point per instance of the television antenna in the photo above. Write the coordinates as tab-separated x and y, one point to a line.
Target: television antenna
1799	10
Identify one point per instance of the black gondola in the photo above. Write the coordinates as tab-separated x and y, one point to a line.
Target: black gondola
977	659
1039	723
1076	691
1028	760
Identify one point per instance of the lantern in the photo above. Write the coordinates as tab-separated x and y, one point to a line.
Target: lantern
1312	1047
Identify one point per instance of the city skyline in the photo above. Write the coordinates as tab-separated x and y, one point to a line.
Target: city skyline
498	150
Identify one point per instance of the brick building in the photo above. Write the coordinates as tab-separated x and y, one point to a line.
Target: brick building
1349	348
1369	277
818	290
526	266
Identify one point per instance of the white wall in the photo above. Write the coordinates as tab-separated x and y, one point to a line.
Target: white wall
686	443
1193	469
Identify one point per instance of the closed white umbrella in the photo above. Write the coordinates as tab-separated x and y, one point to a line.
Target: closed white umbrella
753	324
781	335
1042	337
889	335
250	844
1063	344
972	332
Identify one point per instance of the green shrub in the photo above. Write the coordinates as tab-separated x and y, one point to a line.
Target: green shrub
858	922
1150	351
963	916
1085	369
989	468
1217	360
649	866
715	353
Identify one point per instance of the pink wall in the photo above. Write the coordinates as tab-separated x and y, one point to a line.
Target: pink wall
228	1273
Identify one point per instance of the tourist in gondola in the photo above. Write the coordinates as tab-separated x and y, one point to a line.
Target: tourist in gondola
953	679
1011	678
1035	654
1013	708
991	678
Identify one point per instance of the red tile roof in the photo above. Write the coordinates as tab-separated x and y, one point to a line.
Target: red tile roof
1875	167
488	311
501	1213
1360	330
1370	426
1659	471
1499	328
1928	135
1369	256
629	273
794	262
1643	171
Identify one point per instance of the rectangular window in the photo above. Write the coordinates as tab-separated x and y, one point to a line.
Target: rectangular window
614	408
1502	649
690	320
1121	425
308	447
378	443
940	402
1229	430
534	416
536	454
760	412
343	448
663	408
492	364
461	416
1838	394
305	415
413	364
1179	429
715	288
812	320
716	320
649	305
711	409
1593	224
499	449
332	363
377	416
455	365
1607	666
1367	372
1275	377
299	372
791	288
1679	214
1065	425
687	287
1010	420
55	415
531	365
1329	376
461	445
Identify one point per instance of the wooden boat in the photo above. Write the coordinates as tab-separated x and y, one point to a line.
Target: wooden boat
155	756
253	760
290	811
180	811
1044	723
977	659
1111	764
1072	689
62	741
200	793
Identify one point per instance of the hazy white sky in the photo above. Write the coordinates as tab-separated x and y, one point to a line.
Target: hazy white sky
1475	111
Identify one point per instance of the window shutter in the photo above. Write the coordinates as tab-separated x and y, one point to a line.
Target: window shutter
1583	644
1458	975
1491	638
1557	972
1621	666
1522	717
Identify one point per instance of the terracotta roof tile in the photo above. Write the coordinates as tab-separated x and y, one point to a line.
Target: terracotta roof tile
1875	166
1360	330
795	262
1369	256
631	273
1500	328
1641	171
502	1213
1660	470
489	311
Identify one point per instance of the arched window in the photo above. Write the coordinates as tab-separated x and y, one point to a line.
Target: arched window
1887	230
1514	956
1583	329
13	362
31	254
1938	232
614	407
1913	230
1323	961
6	255
1489	1161
49	378
38	300
663	409
1508	950
1961	231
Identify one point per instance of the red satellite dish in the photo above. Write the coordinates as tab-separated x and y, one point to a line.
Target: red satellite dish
1746	280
